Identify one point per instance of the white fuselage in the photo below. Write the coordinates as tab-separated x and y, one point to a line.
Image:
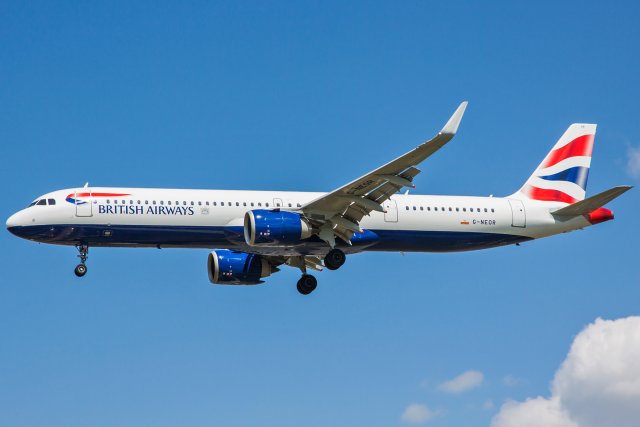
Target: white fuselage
214	219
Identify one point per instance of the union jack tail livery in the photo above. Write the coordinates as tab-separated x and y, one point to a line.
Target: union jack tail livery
562	175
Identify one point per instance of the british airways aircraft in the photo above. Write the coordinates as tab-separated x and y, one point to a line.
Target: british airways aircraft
254	233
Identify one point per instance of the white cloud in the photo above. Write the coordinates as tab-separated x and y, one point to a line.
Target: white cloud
463	382
598	384
418	413
536	412
633	161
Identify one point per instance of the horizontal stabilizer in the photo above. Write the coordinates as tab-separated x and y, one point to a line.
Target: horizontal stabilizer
592	203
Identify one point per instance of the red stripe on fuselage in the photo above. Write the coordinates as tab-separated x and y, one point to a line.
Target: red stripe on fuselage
97	195
547	195
581	146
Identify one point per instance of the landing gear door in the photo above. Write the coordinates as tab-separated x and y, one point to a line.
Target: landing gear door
390	211
83	201
518	215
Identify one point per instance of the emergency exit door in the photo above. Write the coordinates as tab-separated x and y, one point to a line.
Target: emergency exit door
83	202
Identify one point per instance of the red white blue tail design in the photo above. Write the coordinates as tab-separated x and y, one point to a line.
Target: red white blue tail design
562	175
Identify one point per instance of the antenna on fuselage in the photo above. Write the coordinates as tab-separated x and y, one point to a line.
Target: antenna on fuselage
86	184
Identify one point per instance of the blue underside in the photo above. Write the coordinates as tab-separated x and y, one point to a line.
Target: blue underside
233	238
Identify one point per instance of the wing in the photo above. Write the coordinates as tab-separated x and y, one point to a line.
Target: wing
339	212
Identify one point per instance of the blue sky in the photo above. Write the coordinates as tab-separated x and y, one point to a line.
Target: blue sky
304	96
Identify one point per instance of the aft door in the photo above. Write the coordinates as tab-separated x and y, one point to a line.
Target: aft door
391	211
518	214
83	202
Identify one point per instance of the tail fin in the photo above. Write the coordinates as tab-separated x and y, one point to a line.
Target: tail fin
562	175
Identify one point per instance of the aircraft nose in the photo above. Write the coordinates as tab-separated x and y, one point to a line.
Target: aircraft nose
14	223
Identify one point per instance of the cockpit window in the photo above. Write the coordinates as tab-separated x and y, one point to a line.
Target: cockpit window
51	201
42	202
32	203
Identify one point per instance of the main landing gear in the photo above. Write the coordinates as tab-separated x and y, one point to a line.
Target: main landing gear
307	284
334	259
81	269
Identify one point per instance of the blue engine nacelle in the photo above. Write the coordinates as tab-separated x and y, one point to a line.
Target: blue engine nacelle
275	228
227	267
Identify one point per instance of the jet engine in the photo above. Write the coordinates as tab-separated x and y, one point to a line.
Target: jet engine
275	228
226	267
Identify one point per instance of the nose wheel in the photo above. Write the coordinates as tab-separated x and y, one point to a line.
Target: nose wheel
81	269
307	284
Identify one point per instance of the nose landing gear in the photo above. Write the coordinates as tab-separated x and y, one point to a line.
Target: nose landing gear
81	269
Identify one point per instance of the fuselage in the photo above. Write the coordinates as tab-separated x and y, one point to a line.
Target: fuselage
145	217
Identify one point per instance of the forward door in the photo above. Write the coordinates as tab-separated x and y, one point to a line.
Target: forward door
83	202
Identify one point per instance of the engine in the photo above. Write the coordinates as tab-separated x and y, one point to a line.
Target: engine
227	267
275	228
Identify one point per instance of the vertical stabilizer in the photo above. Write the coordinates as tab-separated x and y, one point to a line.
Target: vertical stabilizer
562	175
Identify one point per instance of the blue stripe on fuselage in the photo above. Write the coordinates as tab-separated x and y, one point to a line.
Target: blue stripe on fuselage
233	238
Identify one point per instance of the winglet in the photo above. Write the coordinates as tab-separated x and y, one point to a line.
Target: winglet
452	125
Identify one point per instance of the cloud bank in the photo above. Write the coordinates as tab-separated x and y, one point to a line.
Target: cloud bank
597	385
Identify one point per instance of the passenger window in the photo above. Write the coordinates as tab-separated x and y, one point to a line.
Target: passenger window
414	208
429	208
123	202
266	204
192	203
139	202
215	204
407	207
457	209
42	202
199	203
130	201
289	204
221	203
492	210
153	202
450	210
237	203
146	202
169	202
207	203
259	204
464	209
435	209
107	201
485	209
299	205
421	208
251	204
51	201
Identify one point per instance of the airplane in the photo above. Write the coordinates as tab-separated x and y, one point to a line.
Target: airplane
254	233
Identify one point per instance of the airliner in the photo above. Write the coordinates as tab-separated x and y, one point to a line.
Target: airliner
252	234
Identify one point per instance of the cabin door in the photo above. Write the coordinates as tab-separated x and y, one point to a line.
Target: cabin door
84	203
518	215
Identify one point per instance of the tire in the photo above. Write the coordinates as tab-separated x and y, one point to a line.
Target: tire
80	270
334	259
307	284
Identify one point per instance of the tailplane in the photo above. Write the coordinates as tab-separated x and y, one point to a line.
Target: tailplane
562	175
